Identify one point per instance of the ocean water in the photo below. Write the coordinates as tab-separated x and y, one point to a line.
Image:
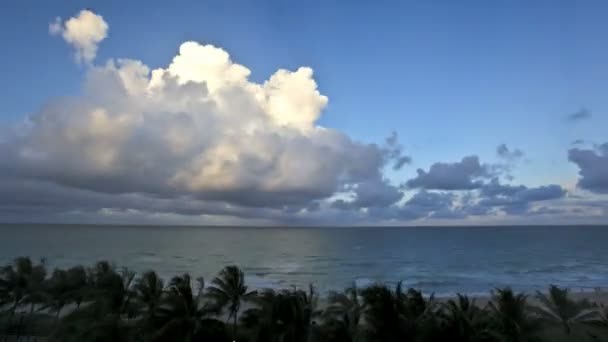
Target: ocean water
443	260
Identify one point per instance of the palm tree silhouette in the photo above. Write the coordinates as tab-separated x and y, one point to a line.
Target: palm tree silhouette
382	315
267	317
149	289
395	315
557	306
23	283
106	317
463	320
117	306
285	316
511	317
346	307
229	291
65	287
78	284
58	292
602	315
182	315
14	286
307	311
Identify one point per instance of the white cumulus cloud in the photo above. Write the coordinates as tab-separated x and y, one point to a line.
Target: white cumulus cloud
83	32
197	137
198	128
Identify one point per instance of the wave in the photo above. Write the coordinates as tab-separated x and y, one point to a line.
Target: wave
548	269
433	283
358	264
312	273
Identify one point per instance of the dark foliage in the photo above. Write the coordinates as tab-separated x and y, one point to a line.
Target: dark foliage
102	303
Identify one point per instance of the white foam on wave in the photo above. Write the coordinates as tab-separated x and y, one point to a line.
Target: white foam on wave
284	267
363	282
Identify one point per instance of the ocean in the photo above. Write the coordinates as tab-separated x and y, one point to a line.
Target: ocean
441	260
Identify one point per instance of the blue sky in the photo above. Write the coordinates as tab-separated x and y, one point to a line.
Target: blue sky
451	78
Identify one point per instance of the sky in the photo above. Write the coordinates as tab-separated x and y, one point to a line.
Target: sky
304	112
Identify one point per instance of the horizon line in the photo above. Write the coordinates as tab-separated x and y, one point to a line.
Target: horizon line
143	225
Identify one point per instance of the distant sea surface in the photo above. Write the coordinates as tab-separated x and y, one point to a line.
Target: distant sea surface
443	260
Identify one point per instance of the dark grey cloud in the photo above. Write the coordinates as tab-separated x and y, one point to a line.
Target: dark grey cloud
376	194
466	174
509	158
593	167
41	197
435	205
430	200
393	152
423	204
578	142
514	200
467	188
579	115
502	151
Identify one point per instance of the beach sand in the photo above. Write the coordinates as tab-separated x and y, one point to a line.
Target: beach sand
595	296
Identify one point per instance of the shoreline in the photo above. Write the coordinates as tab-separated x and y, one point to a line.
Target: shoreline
593	296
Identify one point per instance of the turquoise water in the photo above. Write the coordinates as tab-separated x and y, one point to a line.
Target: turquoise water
443	260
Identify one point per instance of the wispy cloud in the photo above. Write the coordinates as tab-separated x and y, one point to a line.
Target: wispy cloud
580	115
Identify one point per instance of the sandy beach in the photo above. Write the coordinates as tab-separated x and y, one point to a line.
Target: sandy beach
599	297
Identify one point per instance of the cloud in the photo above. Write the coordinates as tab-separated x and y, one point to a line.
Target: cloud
198	141
463	175
521	193
421	205
370	194
431	204
394	151
25	198
579	115
199	130
514	200
509	159
82	32
593	167
578	142
502	151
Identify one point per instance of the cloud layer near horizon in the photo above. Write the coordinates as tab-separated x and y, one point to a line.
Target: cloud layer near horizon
199	138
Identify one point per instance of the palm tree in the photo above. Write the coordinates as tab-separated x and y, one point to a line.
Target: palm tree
229	291
107	316
78	284
22	282
307	311
417	308
347	308
265	317
602	315
58	292
183	315
511	317
382	314
598	317
149	289
13	288
64	287
395	315
112	290
463	320
557	306
93	323
284	316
